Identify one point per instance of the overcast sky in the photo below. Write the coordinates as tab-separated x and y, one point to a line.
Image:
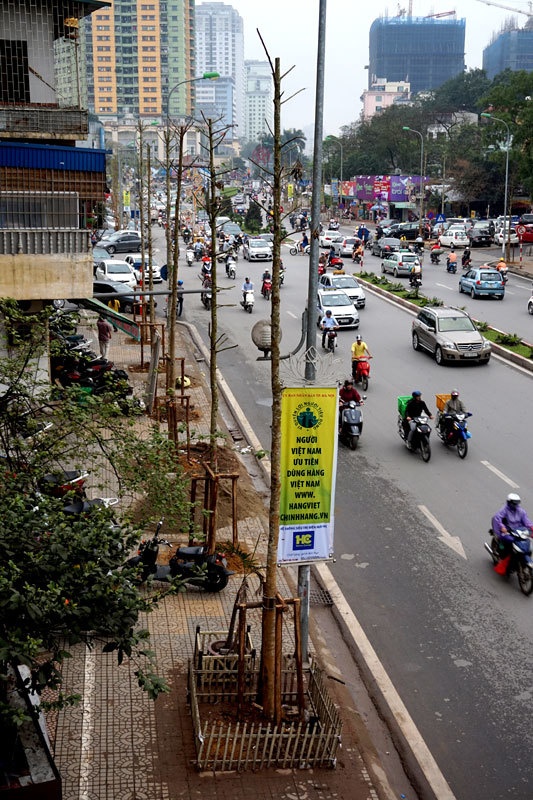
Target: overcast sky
290	28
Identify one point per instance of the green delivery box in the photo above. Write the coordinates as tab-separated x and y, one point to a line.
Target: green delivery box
402	403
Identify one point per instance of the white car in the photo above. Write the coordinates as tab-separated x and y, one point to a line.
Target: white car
257	250
502	236
340	306
456	235
136	263
118	271
327	237
348	284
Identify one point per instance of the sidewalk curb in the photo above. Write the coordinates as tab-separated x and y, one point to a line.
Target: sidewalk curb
421	767
502	352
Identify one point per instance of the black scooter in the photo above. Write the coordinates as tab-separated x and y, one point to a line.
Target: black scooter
190	564
451	266
420	439
351	426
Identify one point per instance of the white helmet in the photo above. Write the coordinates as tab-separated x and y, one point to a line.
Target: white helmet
513	499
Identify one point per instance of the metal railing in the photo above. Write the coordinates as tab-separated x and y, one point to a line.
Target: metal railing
37	241
24	120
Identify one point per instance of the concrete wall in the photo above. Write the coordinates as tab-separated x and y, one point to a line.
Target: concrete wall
50	277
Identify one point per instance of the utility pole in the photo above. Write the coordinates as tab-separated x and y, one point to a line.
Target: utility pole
304	570
149	216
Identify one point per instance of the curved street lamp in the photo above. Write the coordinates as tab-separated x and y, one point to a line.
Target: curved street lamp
207	76
412	130
506	225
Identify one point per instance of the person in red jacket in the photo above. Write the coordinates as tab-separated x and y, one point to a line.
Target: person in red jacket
347	393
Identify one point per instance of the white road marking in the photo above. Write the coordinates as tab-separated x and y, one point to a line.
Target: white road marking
446	538
500	474
87	725
507	291
443	286
292	315
353	629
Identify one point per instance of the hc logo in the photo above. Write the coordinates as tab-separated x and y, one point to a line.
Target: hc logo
303	540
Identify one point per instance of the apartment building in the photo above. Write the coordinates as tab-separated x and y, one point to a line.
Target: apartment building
258	97
137	51
50	190
220	48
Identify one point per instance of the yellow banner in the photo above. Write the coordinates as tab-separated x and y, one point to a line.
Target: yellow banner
308	467
290	190
126	198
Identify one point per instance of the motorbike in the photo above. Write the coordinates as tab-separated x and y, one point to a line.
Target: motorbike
503	272
434	256
335	263
333	225
206	296
356	257
331	340
62	482
520	561
361	372
191	565
189	257
295	250
451	266
351	423
420	441
231	268
266	289
466	261
456	434
248	301
281	275
198	253
415	281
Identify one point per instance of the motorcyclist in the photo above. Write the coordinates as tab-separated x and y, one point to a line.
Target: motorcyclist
331	253
501	265
452	258
206	266
347	393
414	408
198	247
304	242
357	251
415	272
466	258
328	322
510	517
206	284
266	276
419	244
179	299
452	406
247	287
359	350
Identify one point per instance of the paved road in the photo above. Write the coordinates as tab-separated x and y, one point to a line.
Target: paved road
456	639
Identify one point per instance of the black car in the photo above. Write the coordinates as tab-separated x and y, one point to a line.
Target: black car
410	231
526	219
384	246
124	295
127	242
479	236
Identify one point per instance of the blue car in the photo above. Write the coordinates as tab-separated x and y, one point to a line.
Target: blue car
481	281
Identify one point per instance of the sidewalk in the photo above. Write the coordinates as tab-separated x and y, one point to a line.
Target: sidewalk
119	745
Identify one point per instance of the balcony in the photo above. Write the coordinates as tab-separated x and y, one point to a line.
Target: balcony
37	241
43	122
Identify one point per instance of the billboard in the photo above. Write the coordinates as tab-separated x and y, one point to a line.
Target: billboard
308	469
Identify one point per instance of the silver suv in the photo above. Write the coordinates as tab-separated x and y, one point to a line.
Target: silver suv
450	335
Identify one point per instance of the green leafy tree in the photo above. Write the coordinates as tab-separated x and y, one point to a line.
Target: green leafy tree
254	218
63	579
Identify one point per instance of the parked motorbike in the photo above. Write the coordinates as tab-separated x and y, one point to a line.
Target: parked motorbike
420	441
453	431
451	266
60	483
248	302
266	289
351	423
192	565
361	372
520	561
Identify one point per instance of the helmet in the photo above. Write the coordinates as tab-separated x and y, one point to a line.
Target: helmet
502	259
180	283
328	312
454	393
358	338
416	393
513	499
247	280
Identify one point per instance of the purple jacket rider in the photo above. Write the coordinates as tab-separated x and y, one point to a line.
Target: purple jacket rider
510	517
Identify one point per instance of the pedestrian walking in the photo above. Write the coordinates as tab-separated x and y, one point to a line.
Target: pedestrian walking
105	332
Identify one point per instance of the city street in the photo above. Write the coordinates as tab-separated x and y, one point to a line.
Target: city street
456	639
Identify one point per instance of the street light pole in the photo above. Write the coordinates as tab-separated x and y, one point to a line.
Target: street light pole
412	130
304	570
338	141
506	225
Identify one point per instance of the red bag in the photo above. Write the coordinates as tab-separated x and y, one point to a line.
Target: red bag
501	567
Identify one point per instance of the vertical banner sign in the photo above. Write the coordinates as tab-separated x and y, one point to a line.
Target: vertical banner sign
125	198
290	189
308	469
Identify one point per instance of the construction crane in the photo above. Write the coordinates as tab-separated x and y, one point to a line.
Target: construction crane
441	14
509	8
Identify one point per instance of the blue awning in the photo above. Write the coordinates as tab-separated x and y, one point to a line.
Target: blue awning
43	156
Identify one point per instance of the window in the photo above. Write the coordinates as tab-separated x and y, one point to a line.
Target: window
102	48
14	66
148	38
379	98
102	27
149	49
379	108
